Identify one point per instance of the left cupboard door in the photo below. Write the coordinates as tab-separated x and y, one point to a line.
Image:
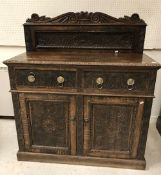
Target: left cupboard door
49	123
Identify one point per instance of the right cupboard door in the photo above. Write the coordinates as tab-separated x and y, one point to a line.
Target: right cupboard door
112	126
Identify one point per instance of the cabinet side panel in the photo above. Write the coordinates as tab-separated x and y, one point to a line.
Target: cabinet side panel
11	72
18	121
16	107
28	38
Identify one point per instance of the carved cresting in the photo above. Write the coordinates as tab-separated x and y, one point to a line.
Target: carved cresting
85	18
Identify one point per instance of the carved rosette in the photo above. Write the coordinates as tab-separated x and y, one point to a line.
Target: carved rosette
49	126
85	18
35	18
133	19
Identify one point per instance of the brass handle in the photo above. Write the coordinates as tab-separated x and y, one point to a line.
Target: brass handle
130	83
31	77
99	82
60	80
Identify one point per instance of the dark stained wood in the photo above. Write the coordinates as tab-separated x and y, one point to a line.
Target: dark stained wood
63	113
144	128
19	128
48	123
85	58
45	78
73	31
80	124
84	93
85	18
112	79
112	126
73	125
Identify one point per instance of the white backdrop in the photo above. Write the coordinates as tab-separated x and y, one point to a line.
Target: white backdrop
13	14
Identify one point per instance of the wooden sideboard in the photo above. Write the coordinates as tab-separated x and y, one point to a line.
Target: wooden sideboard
83	91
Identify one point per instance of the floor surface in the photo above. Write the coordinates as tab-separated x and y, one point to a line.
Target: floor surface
10	166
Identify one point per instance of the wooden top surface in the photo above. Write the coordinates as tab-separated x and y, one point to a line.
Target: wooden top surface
93	58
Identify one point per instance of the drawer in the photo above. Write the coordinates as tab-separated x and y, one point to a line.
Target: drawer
128	81
45	78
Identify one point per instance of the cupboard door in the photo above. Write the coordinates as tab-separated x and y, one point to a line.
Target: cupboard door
112	126
49	123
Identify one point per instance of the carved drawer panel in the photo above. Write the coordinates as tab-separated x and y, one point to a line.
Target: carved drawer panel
125	81
45	78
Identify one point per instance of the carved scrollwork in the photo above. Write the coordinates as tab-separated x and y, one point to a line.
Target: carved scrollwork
84	18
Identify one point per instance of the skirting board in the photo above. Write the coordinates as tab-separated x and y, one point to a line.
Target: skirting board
6	117
82	160
158	124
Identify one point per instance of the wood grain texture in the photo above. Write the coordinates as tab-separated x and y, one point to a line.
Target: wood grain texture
73	130
80	160
88	58
117	80
18	121
144	128
81	139
47	123
112	126
45	78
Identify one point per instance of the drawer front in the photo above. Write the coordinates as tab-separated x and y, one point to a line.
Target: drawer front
128	81
45	78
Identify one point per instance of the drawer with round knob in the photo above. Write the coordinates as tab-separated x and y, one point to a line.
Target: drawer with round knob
125	81
45	78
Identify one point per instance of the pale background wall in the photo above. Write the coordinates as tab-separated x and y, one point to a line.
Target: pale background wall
13	14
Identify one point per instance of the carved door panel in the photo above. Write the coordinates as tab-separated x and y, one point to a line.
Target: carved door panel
49	123
112	126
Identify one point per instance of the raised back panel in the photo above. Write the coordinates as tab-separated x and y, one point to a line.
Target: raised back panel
85	31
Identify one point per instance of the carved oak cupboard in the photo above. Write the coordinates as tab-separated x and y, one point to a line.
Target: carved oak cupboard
83	91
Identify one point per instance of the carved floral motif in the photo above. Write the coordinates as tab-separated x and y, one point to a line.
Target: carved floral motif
49	126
